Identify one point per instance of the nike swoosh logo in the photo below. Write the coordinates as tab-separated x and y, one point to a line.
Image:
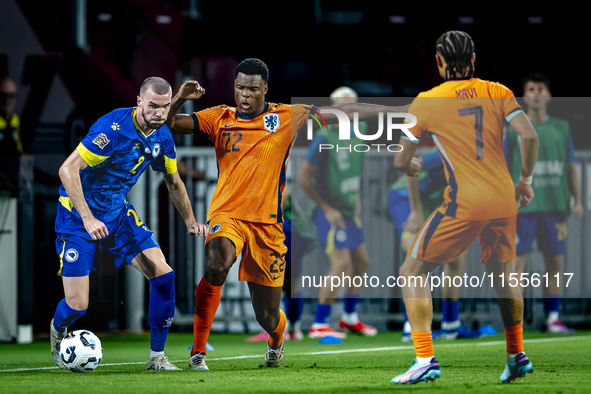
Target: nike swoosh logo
230	125
275	278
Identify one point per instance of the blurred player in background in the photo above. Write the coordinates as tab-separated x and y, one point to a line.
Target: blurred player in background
252	143
554	182
10	139
93	211
465	116
331	179
409	207
299	240
11	147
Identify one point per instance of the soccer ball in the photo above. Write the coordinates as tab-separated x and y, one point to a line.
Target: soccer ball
81	351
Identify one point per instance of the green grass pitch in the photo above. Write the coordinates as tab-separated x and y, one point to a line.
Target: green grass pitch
562	364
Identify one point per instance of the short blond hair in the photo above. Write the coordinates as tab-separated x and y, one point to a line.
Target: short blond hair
343	91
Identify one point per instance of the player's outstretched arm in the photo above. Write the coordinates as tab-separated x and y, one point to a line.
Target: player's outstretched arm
364	111
69	174
529	154
181	123
334	216
178	194
405	161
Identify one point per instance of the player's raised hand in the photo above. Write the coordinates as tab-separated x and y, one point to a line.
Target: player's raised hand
191	90
335	218
525	192
198	229
96	229
415	167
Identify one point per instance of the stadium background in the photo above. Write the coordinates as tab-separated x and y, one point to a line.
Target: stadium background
74	61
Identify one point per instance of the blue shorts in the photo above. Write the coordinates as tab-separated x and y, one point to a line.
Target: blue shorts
297	247
548	227
128	236
336	238
399	208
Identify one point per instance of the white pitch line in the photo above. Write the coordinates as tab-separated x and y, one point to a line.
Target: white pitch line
375	349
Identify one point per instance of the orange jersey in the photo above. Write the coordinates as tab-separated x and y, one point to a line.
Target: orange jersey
465	118
252	156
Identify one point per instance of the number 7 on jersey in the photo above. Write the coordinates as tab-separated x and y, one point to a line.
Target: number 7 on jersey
478	114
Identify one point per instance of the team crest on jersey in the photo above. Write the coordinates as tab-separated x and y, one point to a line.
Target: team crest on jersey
215	229
71	255
101	141
156	150
271	122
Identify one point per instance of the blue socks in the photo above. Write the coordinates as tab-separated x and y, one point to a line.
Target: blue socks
161	309
323	310
350	303
451	310
294	307
64	316
551	304
322	313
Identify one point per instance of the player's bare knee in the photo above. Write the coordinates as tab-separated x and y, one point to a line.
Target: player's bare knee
217	268
216	273
408	269
360	265
339	263
77	303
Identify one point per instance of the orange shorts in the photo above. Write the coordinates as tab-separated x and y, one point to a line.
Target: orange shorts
442	238
262	247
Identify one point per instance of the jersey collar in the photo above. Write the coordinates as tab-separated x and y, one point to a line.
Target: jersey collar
458	79
246	117
137	127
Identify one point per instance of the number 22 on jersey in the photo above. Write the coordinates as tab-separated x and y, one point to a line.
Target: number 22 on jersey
229	136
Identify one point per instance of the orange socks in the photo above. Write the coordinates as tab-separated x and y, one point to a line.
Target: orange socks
514	336
423	344
276	337
207	300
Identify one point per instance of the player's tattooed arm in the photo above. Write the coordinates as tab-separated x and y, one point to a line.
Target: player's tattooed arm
178	195
405	161
364	111
524	193
334	216
69	174
529	143
182	123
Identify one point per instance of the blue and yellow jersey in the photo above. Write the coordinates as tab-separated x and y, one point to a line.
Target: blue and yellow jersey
10	136
117	153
